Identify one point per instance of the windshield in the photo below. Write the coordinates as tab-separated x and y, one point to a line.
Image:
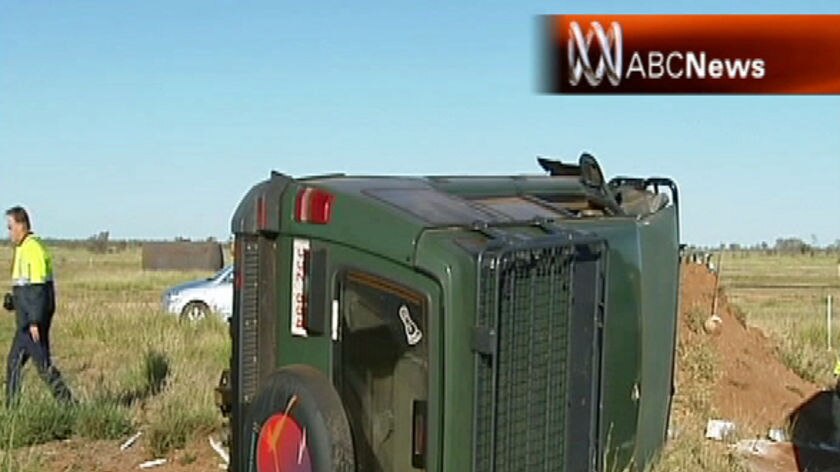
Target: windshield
222	275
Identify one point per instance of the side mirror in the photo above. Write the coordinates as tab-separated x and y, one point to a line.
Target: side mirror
590	171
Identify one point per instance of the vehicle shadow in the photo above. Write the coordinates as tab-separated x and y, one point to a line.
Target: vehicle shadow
815	433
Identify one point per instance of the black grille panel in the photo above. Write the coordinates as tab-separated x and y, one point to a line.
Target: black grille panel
248	319
526	308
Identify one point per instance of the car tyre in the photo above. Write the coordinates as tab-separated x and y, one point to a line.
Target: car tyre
195	311
300	411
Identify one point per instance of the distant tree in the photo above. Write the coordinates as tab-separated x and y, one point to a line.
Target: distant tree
98	243
792	245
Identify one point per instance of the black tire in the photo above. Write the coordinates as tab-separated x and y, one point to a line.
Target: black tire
195	311
308	397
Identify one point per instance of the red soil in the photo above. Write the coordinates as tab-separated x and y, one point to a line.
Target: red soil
756	390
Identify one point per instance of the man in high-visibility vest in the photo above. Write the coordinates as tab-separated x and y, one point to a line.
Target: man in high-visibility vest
33	300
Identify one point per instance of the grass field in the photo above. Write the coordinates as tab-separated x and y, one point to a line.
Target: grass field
132	366
785	296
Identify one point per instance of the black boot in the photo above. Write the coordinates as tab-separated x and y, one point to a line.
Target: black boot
59	389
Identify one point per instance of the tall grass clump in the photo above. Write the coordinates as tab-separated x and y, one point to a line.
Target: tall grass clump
35	421
40	419
102	420
177	422
803	350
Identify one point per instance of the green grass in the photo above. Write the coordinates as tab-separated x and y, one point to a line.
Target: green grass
40	419
132	366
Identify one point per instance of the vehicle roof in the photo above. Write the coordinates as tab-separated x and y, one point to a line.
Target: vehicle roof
386	215
434	201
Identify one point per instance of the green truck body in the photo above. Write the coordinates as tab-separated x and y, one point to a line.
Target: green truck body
465	323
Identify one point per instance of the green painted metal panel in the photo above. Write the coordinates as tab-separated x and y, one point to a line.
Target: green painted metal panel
642	291
622	333
314	351
658	248
355	220
440	255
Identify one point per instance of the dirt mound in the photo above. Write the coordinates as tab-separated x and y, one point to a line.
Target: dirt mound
754	389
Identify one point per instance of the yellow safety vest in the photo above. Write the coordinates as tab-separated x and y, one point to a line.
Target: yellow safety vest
33	263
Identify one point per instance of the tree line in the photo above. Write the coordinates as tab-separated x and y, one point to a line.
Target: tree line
780	246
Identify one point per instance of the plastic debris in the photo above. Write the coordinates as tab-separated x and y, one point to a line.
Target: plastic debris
777	435
719	429
217	446
755	447
130	441
152	463
713	324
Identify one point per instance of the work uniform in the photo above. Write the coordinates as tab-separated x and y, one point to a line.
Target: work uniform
34	302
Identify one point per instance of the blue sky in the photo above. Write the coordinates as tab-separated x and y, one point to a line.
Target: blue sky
151	119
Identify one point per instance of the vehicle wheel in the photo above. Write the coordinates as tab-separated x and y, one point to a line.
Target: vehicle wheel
299	425
195	311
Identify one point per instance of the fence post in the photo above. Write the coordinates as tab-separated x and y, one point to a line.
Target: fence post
828	319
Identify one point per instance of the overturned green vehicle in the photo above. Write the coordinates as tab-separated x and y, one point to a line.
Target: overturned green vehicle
453	323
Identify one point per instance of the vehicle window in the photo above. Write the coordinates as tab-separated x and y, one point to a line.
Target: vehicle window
384	371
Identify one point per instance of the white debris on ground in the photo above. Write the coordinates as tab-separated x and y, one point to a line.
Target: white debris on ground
755	447
130	441
220	450
713	324
152	463
777	435
719	430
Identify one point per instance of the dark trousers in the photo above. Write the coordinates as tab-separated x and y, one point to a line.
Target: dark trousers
24	348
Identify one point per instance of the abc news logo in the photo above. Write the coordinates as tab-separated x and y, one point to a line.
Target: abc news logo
607	44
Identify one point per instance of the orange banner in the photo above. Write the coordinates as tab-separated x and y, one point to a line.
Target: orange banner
654	54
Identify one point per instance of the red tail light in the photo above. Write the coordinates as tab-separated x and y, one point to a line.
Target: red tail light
314	206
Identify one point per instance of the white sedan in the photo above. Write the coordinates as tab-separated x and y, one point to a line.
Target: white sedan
195	300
